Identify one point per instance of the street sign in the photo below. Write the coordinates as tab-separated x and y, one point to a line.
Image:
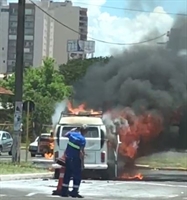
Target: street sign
28	105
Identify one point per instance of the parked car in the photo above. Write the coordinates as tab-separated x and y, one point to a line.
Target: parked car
41	145
33	147
6	142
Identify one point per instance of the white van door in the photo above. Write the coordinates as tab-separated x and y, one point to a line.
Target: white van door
93	142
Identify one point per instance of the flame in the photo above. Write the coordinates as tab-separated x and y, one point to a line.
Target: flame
79	109
48	155
134	129
51	146
128	177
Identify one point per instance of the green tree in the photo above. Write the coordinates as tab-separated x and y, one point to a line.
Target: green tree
43	85
74	70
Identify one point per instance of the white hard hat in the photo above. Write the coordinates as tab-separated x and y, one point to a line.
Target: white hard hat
84	126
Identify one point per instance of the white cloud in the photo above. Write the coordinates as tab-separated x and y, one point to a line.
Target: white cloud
107	27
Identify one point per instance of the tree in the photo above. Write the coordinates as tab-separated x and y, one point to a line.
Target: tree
74	70
45	86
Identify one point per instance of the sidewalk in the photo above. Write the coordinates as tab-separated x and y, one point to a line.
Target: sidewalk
10	177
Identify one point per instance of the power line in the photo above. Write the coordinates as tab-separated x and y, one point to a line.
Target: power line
133	10
98	40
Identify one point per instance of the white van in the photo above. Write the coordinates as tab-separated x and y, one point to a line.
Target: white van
100	157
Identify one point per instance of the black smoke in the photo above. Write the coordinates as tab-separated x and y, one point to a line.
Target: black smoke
148	76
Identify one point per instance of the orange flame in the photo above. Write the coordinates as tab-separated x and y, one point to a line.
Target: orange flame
51	146
127	177
48	155
79	109
135	129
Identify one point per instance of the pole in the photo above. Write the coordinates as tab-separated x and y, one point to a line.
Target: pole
18	82
27	131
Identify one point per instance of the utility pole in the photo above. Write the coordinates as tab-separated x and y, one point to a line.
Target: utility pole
19	82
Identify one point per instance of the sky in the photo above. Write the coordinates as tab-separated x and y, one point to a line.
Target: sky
122	26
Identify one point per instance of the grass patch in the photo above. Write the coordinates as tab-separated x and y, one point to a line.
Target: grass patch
165	159
22	168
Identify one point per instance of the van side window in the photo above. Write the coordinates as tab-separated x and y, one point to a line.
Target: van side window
102	138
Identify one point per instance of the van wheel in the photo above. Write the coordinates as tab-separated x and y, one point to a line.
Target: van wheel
0	150
56	174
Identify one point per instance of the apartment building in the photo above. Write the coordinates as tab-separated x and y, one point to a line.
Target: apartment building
178	38
12	36
43	36
53	35
4	17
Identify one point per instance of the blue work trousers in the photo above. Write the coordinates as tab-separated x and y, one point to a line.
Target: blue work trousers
73	169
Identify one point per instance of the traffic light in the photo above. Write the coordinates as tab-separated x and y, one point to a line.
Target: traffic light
28	105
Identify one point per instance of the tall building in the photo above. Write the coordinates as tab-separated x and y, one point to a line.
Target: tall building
43	36
178	38
4	17
12	35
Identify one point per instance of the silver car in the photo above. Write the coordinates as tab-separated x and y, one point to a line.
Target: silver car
6	142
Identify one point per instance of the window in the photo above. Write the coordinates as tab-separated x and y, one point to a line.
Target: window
12	37
28	44
29	11
85	19
29	31
29	37
27	56
29	24
13	31
12	43
14	11
14	18
4	135
11	62
13	24
8	136
92	132
83	12
12	49
12	56
29	18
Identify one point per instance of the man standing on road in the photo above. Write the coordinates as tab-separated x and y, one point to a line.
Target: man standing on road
74	161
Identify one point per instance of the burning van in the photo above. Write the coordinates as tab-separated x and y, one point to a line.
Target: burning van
101	155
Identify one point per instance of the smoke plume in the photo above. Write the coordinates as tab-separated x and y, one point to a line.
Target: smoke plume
59	107
142	77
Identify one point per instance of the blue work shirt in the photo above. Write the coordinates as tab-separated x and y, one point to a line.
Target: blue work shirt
79	140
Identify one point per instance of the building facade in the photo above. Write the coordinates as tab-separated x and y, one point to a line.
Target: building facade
178	38
12	36
4	17
44	37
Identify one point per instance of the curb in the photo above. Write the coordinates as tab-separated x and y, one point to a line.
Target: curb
160	168
14	177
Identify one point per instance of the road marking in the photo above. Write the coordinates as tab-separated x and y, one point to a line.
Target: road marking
31	194
3	195
50	196
171	196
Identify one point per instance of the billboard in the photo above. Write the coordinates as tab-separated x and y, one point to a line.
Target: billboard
80	46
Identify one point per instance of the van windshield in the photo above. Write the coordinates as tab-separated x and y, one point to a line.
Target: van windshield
92	132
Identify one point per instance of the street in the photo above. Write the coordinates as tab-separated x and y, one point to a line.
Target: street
103	190
6	157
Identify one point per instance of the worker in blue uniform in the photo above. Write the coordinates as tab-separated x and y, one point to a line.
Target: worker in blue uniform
74	158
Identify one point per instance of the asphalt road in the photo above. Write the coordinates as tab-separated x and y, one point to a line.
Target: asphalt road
6	157
103	190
